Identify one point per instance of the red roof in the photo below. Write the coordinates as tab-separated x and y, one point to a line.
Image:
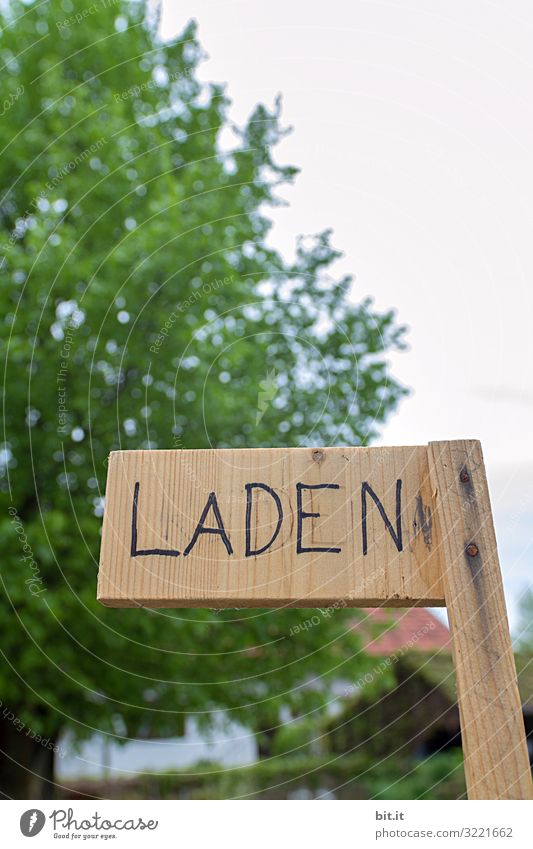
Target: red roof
404	628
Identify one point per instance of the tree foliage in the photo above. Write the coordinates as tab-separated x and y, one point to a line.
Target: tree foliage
144	306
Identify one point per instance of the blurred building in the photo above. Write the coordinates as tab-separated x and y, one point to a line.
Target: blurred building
418	715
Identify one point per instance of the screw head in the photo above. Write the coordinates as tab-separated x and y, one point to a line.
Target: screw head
318	455
464	476
472	550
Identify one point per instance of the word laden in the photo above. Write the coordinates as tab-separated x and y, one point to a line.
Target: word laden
302	516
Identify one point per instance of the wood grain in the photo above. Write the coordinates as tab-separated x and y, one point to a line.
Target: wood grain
492	727
307	527
168	491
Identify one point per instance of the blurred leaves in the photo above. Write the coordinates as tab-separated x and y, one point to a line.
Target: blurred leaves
143	306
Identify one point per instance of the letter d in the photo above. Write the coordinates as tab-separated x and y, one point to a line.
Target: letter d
249	500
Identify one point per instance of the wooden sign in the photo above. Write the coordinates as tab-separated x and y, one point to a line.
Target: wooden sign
312	527
269	527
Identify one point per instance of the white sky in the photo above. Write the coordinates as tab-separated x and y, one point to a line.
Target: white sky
413	127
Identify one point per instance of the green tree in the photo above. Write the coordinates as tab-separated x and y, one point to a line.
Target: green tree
144	307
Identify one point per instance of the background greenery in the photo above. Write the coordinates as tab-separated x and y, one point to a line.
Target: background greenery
123	203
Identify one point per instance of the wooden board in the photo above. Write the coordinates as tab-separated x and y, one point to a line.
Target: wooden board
492	727
346	526
266	527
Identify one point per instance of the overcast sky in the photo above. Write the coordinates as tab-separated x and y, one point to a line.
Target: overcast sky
413	127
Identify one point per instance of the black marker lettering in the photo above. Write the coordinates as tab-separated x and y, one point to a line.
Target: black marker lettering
396	535
135	552
303	515
275	496
200	529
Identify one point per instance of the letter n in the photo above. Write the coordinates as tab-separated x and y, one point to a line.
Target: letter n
395	534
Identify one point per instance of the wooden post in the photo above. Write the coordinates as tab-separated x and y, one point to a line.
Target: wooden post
492	727
309	527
